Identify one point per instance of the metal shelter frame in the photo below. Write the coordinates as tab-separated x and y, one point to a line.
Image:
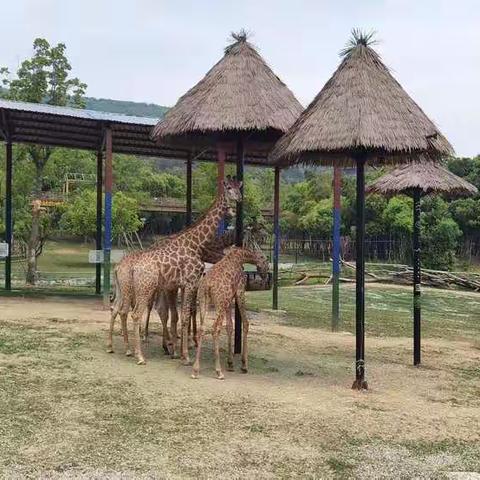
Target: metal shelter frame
105	134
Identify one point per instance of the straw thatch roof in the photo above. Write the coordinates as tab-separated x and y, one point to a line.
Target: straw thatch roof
426	175
362	108
239	94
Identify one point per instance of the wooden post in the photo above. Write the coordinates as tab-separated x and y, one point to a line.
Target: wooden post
337	186
276	233
239	239
417	280
107	244
98	238
8	214
360	383
188	219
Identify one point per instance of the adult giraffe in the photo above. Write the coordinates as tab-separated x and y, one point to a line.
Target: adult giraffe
175	264
166	302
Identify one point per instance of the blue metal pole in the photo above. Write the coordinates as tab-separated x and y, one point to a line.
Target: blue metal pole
107	244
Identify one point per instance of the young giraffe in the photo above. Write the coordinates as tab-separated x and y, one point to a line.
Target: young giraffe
175	264
223	284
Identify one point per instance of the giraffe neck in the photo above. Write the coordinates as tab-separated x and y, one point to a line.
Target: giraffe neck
205	230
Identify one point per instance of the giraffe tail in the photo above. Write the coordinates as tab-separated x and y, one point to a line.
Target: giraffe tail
116	295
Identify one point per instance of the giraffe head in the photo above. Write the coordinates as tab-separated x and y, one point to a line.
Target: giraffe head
232	192
262	264
232	189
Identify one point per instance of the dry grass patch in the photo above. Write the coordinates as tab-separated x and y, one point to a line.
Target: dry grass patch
69	410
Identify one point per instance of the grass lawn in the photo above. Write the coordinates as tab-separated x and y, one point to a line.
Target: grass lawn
388	309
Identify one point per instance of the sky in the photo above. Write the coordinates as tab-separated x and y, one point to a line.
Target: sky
155	50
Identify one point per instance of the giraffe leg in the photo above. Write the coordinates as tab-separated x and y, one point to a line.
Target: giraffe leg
147	322
194	321
137	315
229	327
196	364
172	305
217	327
162	310
190	337
123	317
186	313
240	296
113	315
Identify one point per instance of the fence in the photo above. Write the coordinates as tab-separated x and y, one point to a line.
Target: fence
390	249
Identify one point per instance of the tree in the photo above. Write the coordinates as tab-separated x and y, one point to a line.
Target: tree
398	215
465	212
79	216
439	234
44	78
318	219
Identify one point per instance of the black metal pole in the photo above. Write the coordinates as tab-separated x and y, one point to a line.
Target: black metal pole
239	238
416	278
276	233
98	238
188	219
8	215
360	383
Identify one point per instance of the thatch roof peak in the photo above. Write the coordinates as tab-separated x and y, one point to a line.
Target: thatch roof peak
238	39
240	93
362	108
358	40
428	176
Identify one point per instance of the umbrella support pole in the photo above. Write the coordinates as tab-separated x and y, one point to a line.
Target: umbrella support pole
360	383
416	279
337	175
237	344
276	241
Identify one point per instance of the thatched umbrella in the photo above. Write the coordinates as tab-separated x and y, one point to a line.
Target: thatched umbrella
417	179
239	101
361	114
240	97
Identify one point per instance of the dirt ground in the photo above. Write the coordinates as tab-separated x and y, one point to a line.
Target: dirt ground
70	410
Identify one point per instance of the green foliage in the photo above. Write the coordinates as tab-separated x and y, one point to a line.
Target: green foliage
44	78
440	234
255	190
140	178
468	168
318	218
398	215
79	216
466	213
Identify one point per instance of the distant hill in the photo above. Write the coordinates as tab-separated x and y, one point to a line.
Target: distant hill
138	109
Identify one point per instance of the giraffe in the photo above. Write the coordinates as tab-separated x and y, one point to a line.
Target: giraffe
175	264
166	302
223	284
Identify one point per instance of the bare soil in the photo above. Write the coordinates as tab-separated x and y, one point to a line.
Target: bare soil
70	410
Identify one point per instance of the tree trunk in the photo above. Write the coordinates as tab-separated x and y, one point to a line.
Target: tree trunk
34	240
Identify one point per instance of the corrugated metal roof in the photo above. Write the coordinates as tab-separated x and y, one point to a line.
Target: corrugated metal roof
77	113
41	124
